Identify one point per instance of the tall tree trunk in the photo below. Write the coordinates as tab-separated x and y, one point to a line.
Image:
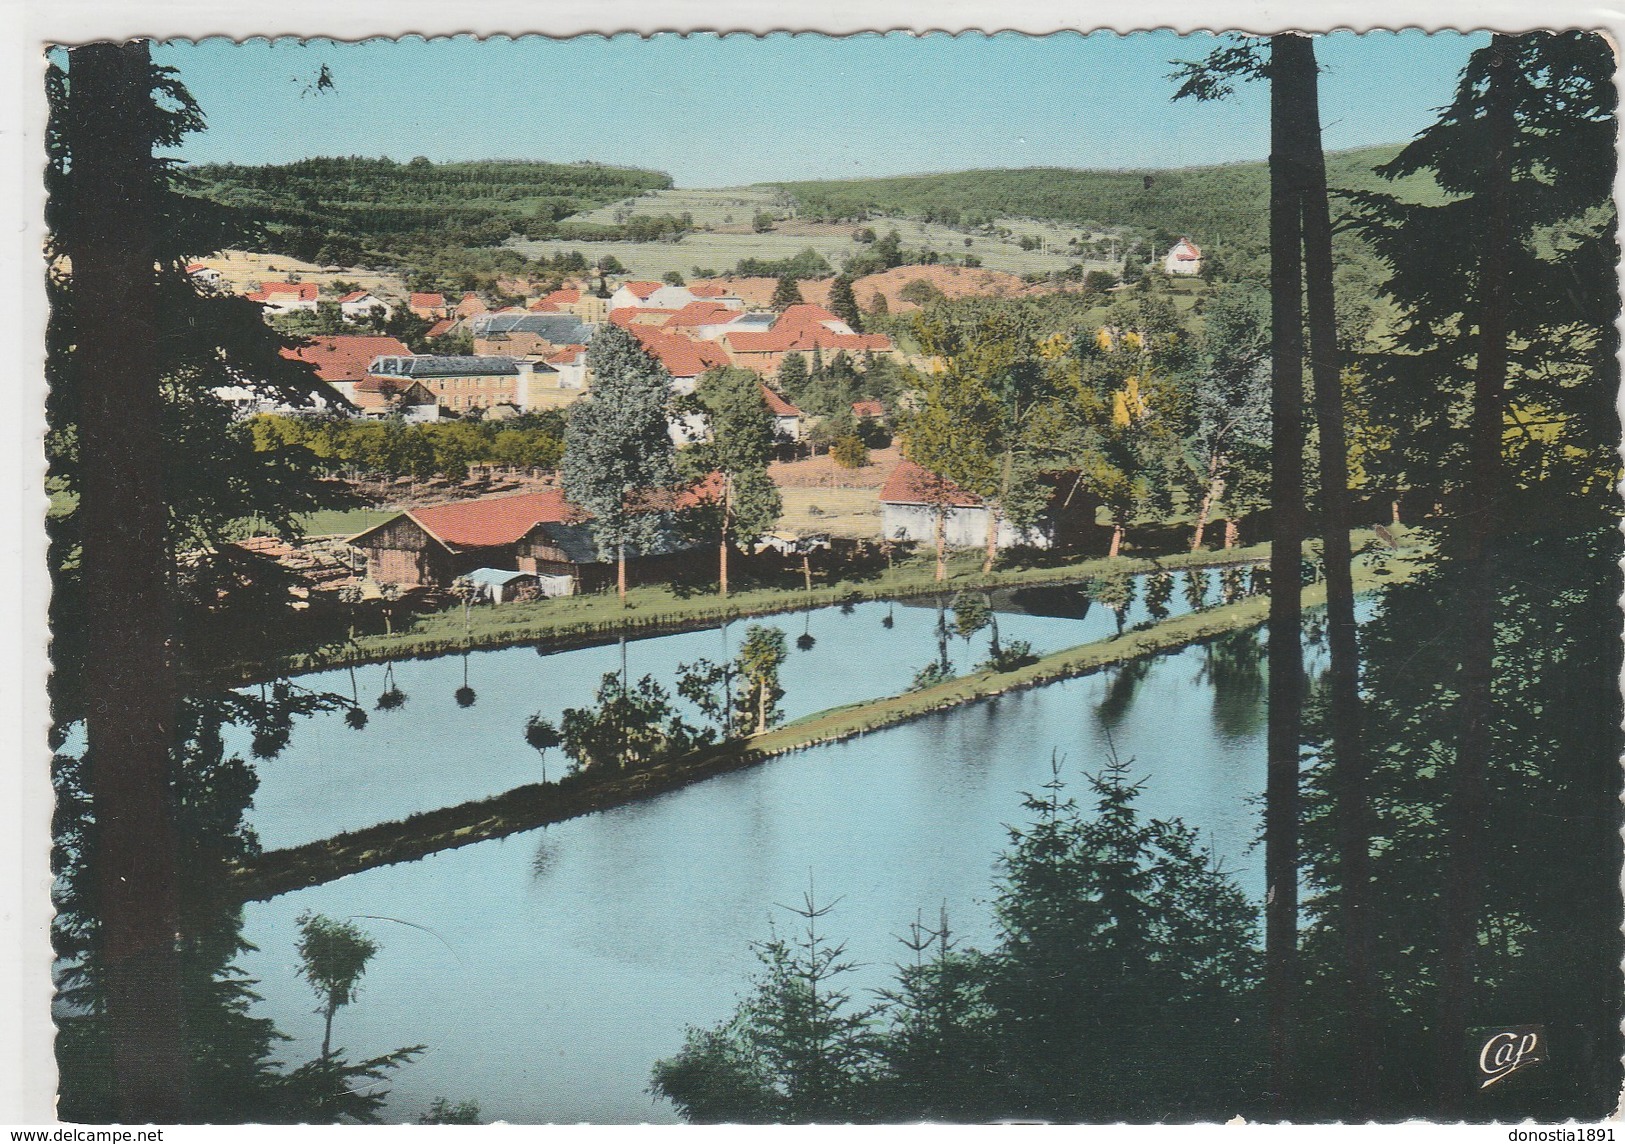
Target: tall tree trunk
993	512
942	543
1117	540
1214	487
722	555
1469	798
1231	532
1289	54
129	725
1348	750
620	572
991	550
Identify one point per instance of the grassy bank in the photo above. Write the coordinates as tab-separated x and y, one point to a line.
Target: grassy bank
527	807
656	610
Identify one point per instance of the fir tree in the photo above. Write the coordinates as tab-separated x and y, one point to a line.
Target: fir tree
786	294
792	376
844	304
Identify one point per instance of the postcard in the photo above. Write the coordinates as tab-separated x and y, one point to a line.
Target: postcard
865	579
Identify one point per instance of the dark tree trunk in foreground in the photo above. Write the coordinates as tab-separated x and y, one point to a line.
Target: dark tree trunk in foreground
130	717
1464	871
1290	57
1347	748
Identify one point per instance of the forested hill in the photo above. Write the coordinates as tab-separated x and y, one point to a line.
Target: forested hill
335	210
1225	206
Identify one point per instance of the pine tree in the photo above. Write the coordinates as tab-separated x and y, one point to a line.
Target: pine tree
797	1049
1120	938
786	294
844	304
133	352
792	377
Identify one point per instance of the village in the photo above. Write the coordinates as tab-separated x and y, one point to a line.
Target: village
508	533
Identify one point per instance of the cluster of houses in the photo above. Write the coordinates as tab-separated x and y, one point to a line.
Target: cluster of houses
534	357
540	544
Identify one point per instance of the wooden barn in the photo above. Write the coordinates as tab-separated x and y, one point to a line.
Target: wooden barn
540	533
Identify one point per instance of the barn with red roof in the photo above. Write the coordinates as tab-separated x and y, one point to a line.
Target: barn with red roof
540	533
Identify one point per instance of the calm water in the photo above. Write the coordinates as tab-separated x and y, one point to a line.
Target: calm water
433	752
547	971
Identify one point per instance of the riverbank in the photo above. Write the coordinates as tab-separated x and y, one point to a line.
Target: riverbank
658	610
533	805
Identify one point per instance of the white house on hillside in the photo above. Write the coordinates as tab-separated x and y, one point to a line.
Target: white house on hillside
358	305
1184	258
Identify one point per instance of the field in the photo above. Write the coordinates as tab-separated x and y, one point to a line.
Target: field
727	214
243	268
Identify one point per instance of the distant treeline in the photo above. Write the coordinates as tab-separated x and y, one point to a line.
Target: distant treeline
1226	207
359	211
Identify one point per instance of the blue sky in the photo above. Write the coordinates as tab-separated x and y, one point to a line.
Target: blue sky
721	111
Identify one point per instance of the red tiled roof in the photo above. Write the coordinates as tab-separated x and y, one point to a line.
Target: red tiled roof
680	356
628	316
427	302
355	296
778	405
702	314
708	290
911	484
868	410
644	289
1190	252
543	306
306	291
560	297
567	354
440	328
345	357
801	328
493	521
194	267
804	314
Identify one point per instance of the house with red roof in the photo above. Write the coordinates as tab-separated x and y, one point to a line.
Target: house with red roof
1184	257
685	360
364	305
285	297
430	306
787	420
799	329
869	410
635	294
588	307
402	397
660	296
916	503
470	305
539	533
205	275
342	360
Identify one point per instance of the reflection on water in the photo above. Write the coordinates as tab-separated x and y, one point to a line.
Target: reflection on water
578	954
422	734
